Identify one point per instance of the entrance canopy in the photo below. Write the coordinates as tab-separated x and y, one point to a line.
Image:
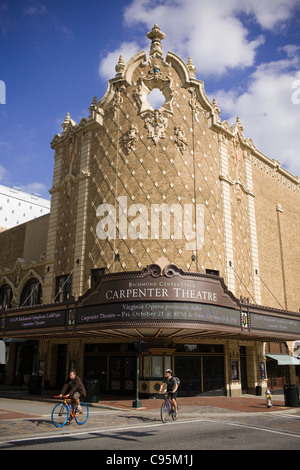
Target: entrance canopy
284	359
170	304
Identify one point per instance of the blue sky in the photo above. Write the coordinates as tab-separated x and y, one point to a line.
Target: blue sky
55	56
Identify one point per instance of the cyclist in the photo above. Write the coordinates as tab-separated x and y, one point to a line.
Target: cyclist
75	387
172	387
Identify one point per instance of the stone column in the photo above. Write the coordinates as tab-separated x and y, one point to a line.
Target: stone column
252	230
49	279
226	207
78	287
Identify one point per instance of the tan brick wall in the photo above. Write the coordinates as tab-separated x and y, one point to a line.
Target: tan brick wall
272	194
250	205
11	245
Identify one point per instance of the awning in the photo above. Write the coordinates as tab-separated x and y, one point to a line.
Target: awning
284	359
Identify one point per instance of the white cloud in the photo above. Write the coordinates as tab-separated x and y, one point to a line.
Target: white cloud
220	37
36	188
3	174
108	63
212	32
270	13
34	9
268	111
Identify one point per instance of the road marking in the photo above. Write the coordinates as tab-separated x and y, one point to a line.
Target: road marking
143	426
286	416
83	433
256	428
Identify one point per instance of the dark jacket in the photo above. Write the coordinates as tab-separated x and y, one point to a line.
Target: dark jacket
73	385
171	383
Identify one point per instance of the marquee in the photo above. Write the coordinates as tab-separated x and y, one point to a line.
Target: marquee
143	303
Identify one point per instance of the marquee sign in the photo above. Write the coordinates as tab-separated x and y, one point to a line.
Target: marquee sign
150	297
150	285
170	311
275	324
35	320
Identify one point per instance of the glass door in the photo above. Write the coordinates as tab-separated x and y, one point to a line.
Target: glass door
213	376
122	374
188	370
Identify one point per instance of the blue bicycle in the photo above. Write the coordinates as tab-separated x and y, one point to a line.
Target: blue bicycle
167	409
63	411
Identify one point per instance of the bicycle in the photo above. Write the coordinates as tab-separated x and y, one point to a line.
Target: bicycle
167	409
61	412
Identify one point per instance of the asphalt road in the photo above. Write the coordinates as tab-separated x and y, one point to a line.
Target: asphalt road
27	425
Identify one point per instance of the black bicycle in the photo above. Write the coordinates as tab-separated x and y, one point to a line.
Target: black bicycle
168	409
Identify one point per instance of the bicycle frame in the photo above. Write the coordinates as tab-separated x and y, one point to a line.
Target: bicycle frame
64	412
167	409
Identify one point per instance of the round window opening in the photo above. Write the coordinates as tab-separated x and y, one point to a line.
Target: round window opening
156	98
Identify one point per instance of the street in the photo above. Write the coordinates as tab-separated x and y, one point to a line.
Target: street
27	425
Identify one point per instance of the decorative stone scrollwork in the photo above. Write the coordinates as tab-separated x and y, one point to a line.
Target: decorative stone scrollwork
171	270
195	106
180	140
117	100
130	138
156	123
154	270
138	95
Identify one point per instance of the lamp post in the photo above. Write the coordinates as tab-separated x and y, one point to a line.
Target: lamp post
139	347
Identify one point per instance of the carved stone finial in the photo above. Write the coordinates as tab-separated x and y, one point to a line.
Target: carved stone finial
120	65
216	108
156	35
191	67
239	124
66	122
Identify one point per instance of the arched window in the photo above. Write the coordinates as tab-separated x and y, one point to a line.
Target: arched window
31	293
5	296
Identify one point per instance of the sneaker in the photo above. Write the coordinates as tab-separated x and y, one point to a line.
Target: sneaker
78	409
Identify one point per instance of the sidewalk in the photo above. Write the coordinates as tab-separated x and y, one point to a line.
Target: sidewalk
218	404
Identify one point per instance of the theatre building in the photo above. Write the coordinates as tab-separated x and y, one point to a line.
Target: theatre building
169	234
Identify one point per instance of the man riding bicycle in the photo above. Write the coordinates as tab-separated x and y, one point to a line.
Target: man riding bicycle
75	389
172	387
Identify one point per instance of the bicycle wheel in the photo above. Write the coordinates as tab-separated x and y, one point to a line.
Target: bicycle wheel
60	415
164	412
174	413
81	417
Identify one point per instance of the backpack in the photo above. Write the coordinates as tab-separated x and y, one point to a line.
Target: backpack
177	380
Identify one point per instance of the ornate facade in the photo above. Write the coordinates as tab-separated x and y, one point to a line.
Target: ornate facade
134	187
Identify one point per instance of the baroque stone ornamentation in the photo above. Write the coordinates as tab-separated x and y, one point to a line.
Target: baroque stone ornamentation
156	123
180	140
195	106
130	138
156	35
117	101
